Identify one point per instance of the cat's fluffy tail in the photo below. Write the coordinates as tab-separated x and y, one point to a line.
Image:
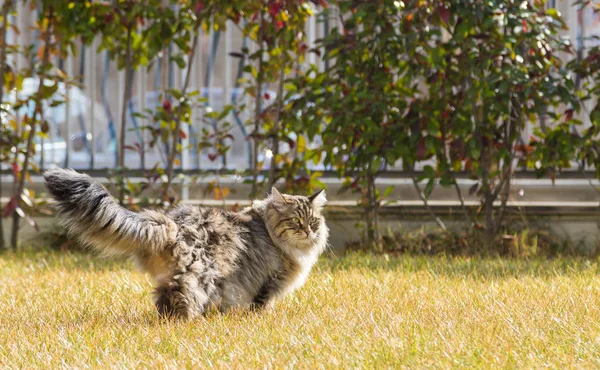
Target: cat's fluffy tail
88	212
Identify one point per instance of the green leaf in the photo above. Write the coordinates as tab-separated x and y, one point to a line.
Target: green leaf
429	188
388	191
48	90
290	87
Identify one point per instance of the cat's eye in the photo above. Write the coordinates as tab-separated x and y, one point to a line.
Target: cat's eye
296	220
313	220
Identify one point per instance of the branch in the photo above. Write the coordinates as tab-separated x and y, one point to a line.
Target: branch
38	109
276	126
126	98
171	162
462	201
508	141
589	179
5	10
426	203
257	106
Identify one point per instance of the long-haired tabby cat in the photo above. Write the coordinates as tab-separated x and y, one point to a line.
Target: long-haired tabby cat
200	257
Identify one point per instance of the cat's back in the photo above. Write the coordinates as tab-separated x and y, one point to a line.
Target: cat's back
221	238
204	226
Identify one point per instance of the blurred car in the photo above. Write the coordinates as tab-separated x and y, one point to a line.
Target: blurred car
53	149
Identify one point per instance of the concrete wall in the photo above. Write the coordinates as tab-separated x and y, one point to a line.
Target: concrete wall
570	207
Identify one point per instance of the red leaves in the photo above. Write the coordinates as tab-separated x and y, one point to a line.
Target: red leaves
323	3
267	96
408	22
569	114
290	142
274	8
468	164
199	7
592	56
235	17
212	156
182	134
16	169
167	105
10	207
524	149
444	13
421	149
446	113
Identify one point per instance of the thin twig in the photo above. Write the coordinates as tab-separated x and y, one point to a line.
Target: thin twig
175	138
276	124
462	201
126	98
426	204
257	106
590	181
509	133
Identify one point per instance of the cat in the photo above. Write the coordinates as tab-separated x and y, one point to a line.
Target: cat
200	257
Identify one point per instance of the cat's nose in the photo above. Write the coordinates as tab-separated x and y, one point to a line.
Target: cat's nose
307	230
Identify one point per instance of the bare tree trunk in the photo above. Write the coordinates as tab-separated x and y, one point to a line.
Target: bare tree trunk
175	138
276	125
513	127
446	157
375	209
372	215
488	195
257	107
38	110
5	10
369	216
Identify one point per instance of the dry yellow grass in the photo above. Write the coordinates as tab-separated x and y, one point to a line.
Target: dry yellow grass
69	310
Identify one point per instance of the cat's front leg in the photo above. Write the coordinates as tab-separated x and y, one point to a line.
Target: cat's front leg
265	297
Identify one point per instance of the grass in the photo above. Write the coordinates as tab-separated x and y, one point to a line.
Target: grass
65	310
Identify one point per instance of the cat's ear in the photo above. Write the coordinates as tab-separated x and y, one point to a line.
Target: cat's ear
318	199
277	197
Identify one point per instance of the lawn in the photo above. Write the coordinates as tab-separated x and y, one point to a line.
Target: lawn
358	311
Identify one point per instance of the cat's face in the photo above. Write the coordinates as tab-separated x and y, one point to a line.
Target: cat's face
297	220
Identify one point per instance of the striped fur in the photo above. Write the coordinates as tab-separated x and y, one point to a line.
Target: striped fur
197	256
88	211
